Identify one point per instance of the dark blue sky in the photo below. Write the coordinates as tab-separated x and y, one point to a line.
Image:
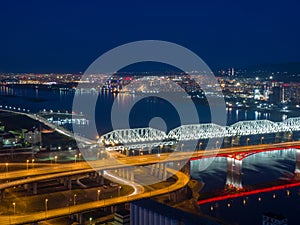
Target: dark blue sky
66	36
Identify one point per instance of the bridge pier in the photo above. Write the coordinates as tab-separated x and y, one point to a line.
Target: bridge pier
69	180
34	188
79	218
162	171
2	193
159	170
234	171
297	167
101	177
278	137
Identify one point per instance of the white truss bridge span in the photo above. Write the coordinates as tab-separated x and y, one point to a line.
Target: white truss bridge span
150	137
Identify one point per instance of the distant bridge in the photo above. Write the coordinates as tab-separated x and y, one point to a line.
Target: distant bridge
150	137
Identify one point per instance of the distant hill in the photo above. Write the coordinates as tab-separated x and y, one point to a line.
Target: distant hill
293	67
287	72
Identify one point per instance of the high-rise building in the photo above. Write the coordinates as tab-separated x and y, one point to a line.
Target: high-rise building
122	217
148	211
277	95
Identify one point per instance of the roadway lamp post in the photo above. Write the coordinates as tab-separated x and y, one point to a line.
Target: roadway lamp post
247	140
55	159
159	150
6	167
27	164
14	205
261	139
200	146
98	194
74	199
182	145
46	206
79	156
232	142
32	162
217	142
119	190
75	157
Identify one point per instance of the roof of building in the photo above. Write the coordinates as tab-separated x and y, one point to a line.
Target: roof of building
185	217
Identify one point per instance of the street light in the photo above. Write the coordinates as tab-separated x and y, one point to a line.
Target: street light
98	194
79	156
14	205
27	164
217	142
6	166
46	206
247	140
200	145
55	159
74	199
182	145
119	190
75	157
261	139
232	142
32	161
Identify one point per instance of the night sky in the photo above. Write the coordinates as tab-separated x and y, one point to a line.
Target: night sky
66	36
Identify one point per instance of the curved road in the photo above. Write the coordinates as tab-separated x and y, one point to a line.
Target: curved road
182	181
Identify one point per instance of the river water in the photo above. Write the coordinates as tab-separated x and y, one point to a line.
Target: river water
257	169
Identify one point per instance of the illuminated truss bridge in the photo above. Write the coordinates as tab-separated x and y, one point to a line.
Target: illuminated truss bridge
150	137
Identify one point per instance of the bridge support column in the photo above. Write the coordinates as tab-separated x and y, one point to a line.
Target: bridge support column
160	169
131	175
278	137
69	179
234	171
156	170
127	176
101	177
65	181
165	173
2	193
152	169
79	218
34	188
162	173
297	167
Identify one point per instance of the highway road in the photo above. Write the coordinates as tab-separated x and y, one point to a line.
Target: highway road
83	167
182	181
60	130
